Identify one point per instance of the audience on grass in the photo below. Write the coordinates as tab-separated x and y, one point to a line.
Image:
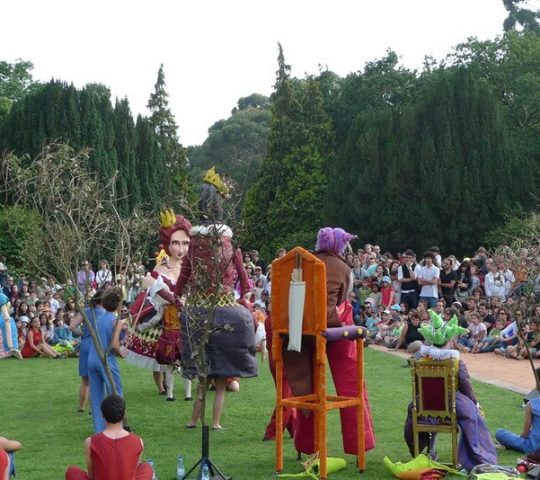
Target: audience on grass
484	286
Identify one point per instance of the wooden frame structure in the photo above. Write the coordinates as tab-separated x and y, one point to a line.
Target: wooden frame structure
434	384
314	324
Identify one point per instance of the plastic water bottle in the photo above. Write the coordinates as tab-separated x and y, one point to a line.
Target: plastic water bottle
180	469
205	475
151	463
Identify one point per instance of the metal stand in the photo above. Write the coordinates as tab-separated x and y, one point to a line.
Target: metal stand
215	473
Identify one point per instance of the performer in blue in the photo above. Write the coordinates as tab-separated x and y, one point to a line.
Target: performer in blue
93	311
108	330
9	343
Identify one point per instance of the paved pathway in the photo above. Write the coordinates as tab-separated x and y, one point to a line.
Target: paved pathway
515	375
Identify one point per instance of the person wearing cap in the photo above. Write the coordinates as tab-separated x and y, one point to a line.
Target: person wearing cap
387	292
260	276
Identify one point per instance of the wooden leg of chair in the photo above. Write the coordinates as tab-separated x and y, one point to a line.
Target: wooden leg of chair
415	441
323	446
454	448
279	406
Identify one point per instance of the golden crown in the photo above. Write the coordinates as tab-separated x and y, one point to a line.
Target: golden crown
214	179
167	218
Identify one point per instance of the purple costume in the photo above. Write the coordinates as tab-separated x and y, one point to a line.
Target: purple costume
475	444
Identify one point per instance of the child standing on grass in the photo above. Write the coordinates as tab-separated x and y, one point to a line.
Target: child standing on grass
529	440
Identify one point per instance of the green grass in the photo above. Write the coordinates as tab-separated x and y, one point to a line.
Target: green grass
38	402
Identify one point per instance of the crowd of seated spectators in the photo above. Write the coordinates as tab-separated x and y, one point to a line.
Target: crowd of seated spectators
499	304
43	309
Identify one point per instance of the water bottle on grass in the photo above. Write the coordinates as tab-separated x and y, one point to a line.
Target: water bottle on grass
180	469
151	463
205	474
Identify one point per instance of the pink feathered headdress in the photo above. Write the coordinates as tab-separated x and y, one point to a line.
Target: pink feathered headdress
333	239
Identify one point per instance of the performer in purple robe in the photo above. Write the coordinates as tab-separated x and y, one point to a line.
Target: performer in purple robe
475	444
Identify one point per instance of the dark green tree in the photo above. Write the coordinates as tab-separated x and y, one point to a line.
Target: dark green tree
15	81
236	146
529	20
165	127
284	206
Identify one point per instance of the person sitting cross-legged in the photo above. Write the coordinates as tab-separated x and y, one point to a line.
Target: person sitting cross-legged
114	452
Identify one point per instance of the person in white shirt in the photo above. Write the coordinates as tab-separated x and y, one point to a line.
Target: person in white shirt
103	275
498	282
428	278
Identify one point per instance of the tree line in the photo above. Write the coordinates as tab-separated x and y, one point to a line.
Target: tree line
401	157
143	153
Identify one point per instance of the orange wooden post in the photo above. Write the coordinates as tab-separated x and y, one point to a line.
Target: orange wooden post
314	324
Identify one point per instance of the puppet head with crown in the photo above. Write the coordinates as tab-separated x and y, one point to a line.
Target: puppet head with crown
213	190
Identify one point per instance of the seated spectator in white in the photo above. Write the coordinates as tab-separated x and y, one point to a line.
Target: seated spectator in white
113	450
498	281
46	325
103	275
54	305
428	279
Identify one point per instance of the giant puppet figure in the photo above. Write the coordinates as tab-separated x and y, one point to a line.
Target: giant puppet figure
331	244
475	444
154	334
211	269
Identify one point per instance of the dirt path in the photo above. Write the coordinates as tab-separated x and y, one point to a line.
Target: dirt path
515	375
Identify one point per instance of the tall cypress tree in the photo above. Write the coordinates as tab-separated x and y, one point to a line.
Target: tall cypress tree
164	126
284	207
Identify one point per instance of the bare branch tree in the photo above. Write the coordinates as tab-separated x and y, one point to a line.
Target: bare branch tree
78	219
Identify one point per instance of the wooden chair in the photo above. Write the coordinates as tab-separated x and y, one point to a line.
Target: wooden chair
434	384
313	325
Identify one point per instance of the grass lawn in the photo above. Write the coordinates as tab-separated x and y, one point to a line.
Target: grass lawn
38	402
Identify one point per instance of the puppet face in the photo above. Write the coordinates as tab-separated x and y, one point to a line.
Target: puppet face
179	244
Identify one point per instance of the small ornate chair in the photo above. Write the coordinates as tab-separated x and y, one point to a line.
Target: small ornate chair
434	384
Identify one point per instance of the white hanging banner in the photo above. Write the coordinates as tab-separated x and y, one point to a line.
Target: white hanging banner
297	297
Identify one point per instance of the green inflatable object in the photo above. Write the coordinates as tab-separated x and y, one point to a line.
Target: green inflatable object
439	332
421	461
333	465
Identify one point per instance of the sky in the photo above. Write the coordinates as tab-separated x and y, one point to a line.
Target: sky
216	51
